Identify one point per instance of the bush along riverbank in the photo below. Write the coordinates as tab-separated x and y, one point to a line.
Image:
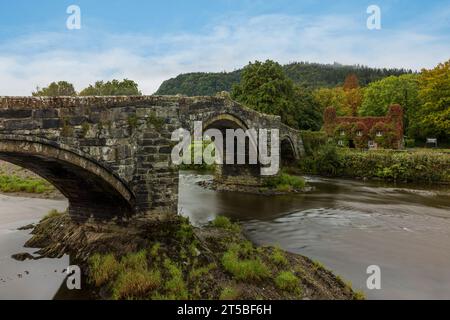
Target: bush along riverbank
401	166
163	256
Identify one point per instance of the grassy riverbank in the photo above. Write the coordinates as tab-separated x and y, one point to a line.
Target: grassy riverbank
17	180
165	257
16	184
423	166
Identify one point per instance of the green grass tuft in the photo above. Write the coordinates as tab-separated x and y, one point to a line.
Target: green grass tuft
288	282
136	284
278	257
52	214
359	295
175	286
285	182
135	261
103	268
225	223
229	293
248	269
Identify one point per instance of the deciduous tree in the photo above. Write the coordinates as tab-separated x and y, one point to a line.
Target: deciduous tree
402	90
112	88
434	93
54	89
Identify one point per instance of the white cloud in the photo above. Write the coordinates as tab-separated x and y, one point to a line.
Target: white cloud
39	59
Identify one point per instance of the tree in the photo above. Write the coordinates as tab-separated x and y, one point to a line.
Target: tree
354	98
308	113
402	90
112	88
265	88
332	97
353	94
434	93
312	75
61	88
351	82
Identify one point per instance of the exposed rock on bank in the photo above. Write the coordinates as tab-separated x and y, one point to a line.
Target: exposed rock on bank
164	257
261	190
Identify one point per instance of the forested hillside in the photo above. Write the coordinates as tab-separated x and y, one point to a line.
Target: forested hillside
313	75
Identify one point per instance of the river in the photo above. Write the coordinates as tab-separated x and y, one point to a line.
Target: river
348	225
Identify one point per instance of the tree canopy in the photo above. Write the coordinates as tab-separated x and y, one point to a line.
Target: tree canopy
112	88
300	92
265	87
402	90
311	75
434	93
54	89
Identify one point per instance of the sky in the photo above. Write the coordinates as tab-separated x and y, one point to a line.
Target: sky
151	41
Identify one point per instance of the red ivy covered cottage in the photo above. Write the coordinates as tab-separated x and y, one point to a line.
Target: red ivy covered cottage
366	132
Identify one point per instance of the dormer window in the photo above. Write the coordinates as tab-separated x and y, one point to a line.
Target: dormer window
359	133
379	133
342	133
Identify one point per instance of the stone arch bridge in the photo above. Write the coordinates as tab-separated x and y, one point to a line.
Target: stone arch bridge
110	156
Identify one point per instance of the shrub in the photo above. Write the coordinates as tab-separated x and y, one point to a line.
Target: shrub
410	143
327	159
285	182
426	166
288	282
312	140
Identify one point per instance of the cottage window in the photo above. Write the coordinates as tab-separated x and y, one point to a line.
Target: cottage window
371	144
342	133
359	133
379	134
341	143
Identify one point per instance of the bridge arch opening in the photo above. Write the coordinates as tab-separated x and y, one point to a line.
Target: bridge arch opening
236	174
90	188
287	152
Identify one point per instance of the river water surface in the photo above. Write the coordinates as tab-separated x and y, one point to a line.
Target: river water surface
347	225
